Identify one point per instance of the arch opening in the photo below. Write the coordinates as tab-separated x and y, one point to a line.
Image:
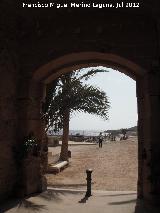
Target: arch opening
63	73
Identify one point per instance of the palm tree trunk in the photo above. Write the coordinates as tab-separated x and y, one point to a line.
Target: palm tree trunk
64	147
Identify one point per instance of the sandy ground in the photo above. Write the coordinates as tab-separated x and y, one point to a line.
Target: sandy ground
114	166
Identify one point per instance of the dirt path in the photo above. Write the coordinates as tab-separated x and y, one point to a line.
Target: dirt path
114	167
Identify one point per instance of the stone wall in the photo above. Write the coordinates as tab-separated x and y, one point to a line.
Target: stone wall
8	118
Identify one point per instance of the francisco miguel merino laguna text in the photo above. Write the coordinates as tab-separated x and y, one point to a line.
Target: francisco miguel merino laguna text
82	5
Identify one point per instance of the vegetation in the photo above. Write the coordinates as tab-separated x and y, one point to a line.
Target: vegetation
68	94
28	147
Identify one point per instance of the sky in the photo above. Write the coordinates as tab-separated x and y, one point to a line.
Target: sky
121	91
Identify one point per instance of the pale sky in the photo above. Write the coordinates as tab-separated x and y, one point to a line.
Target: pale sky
121	91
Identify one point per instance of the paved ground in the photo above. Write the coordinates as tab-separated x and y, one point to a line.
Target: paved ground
74	201
114	167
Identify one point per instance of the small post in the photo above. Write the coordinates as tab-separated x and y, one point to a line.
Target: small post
89	180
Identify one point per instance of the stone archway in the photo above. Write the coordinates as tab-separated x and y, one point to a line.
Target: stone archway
30	41
73	61
64	64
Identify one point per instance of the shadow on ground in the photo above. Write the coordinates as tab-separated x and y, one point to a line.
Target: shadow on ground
22	203
123	202
50	195
121	194
63	200
84	199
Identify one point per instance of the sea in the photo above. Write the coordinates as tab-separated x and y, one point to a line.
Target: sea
79	132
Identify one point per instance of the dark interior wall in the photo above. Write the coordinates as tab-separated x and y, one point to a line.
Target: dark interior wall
46	37
8	116
9	68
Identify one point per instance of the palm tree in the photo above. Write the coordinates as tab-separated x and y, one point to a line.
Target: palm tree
71	94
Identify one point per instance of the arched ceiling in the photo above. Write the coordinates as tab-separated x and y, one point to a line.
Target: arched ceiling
74	61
